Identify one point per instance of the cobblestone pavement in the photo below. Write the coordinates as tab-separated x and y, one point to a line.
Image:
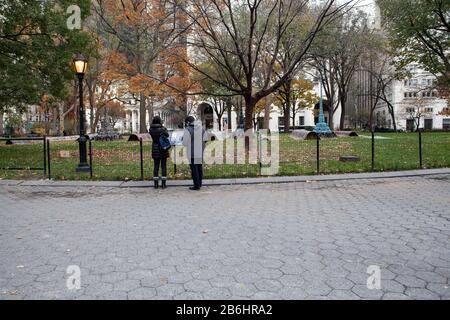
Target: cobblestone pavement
288	241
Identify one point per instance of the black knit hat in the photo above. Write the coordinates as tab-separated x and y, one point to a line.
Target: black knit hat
190	119
157	120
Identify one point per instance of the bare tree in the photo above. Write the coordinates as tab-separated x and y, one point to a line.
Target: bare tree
336	58
417	109
325	73
219	108
383	77
244	39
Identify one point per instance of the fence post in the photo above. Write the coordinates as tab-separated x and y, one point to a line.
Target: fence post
175	159
91	170
45	155
49	160
142	159
373	150
318	154
420	149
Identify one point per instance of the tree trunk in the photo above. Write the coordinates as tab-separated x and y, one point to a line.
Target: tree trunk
142	114
61	117
394	123
331	111
342	121
92	108
91	119
229	106
150	109
294	113
330	118
250	104
331	102
219	121
267	114
96	120
55	120
1	123
287	111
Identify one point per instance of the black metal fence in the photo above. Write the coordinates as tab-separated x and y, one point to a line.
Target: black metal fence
17	166
131	160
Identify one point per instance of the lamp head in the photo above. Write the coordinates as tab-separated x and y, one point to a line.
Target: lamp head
80	64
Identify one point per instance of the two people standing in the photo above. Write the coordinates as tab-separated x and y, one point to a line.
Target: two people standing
193	140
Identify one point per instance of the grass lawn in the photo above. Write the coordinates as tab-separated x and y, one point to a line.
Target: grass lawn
119	160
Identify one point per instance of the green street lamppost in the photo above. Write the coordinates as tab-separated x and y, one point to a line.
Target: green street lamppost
322	127
80	66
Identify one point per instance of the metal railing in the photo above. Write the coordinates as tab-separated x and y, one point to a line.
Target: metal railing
10	141
373	152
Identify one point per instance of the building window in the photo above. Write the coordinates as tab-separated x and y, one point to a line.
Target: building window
428	124
410	110
410	125
302	121
446	124
428	110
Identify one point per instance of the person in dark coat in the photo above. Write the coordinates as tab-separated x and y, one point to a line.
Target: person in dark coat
194	141
159	155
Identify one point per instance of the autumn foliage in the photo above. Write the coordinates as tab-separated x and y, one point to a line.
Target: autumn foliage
146	48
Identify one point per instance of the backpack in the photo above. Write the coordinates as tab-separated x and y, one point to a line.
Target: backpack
164	142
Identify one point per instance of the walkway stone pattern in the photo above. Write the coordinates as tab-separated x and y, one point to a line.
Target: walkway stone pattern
289	241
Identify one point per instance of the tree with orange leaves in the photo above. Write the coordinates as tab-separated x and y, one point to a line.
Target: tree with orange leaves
141	32
102	79
114	111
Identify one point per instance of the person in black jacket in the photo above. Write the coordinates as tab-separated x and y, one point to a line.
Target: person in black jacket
159	155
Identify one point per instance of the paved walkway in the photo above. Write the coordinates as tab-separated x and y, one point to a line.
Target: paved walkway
311	240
